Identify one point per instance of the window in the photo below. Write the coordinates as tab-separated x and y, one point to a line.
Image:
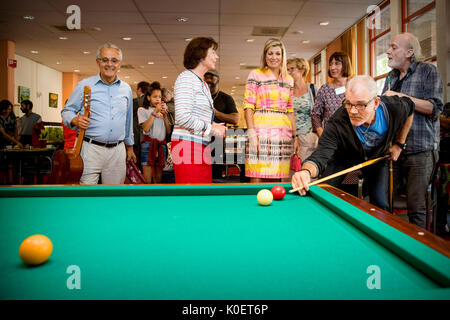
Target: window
379	38
419	18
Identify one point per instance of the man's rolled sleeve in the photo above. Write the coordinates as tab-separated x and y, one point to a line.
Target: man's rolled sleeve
72	107
434	92
129	135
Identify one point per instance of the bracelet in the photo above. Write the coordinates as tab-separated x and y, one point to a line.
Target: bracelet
154	115
304	169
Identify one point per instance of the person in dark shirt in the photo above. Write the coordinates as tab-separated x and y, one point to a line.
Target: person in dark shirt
224	112
224	106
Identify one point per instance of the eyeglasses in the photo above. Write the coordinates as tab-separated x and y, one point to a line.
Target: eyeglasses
106	60
358	106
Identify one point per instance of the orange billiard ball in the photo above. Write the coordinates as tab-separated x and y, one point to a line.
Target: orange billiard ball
35	249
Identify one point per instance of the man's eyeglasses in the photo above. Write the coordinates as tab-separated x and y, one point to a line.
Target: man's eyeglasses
358	106
106	60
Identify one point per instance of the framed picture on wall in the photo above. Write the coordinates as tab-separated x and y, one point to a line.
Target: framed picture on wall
53	100
24	94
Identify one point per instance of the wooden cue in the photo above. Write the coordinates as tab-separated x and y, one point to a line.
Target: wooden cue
391	184
337	174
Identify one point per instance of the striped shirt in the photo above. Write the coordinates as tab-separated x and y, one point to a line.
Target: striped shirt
111	110
194	112
422	81
264	92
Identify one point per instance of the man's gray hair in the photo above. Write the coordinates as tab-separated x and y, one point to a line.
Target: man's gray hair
364	80
414	44
109	45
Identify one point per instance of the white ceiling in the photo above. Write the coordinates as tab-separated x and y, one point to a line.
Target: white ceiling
157	36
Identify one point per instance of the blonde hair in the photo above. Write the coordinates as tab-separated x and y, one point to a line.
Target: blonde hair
300	63
274	43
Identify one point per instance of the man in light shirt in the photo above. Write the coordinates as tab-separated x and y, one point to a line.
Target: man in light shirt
108	141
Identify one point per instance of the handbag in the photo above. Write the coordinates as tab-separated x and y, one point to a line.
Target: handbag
296	163
134	174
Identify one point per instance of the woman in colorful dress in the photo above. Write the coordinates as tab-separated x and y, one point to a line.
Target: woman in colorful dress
272	132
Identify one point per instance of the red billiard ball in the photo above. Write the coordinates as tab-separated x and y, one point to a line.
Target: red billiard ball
278	192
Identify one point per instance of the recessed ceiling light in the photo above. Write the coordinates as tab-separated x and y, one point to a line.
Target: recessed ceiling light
250	40
299	32
86	52
242	64
127	77
233	87
182	19
164	77
324	23
127	38
135	82
187	39
63	38
150	62
34	51
305	41
96	28
142	67
58	62
76	70
28	17
237	78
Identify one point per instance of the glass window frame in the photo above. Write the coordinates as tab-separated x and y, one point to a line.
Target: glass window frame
373	37
317	70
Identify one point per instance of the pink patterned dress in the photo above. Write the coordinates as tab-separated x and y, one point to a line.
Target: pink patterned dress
271	100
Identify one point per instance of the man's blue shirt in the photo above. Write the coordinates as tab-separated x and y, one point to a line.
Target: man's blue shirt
111	110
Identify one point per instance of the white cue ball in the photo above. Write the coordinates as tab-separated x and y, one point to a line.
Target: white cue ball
264	197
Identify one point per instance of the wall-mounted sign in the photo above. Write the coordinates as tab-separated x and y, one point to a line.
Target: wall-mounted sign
12	63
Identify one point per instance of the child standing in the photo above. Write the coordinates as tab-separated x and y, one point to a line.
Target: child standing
154	121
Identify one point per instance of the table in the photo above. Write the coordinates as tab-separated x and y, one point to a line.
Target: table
214	242
17	157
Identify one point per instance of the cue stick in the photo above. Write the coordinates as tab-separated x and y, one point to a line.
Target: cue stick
337	174
391	184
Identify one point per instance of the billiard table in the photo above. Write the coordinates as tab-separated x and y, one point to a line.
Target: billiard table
214	242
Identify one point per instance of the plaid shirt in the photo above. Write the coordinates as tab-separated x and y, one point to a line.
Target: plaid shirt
422	81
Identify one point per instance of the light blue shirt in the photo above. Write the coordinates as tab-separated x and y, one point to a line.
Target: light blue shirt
111	110
372	136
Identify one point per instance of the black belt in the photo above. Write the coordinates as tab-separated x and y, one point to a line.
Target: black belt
108	145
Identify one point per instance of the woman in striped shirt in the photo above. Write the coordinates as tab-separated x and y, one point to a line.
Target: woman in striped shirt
269	114
194	114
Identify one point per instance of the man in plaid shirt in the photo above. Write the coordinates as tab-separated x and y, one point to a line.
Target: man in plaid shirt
422	83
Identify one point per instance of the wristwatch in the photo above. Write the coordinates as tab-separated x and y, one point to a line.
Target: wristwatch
401	145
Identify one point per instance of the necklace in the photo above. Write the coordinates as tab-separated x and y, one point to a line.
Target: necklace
215	96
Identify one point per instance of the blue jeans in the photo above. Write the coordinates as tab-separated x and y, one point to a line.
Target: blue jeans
377	180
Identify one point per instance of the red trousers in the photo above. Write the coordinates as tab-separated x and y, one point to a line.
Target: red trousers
191	162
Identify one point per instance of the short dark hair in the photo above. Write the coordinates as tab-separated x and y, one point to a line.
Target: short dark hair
154	86
4	105
28	103
343	58
196	50
143	85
